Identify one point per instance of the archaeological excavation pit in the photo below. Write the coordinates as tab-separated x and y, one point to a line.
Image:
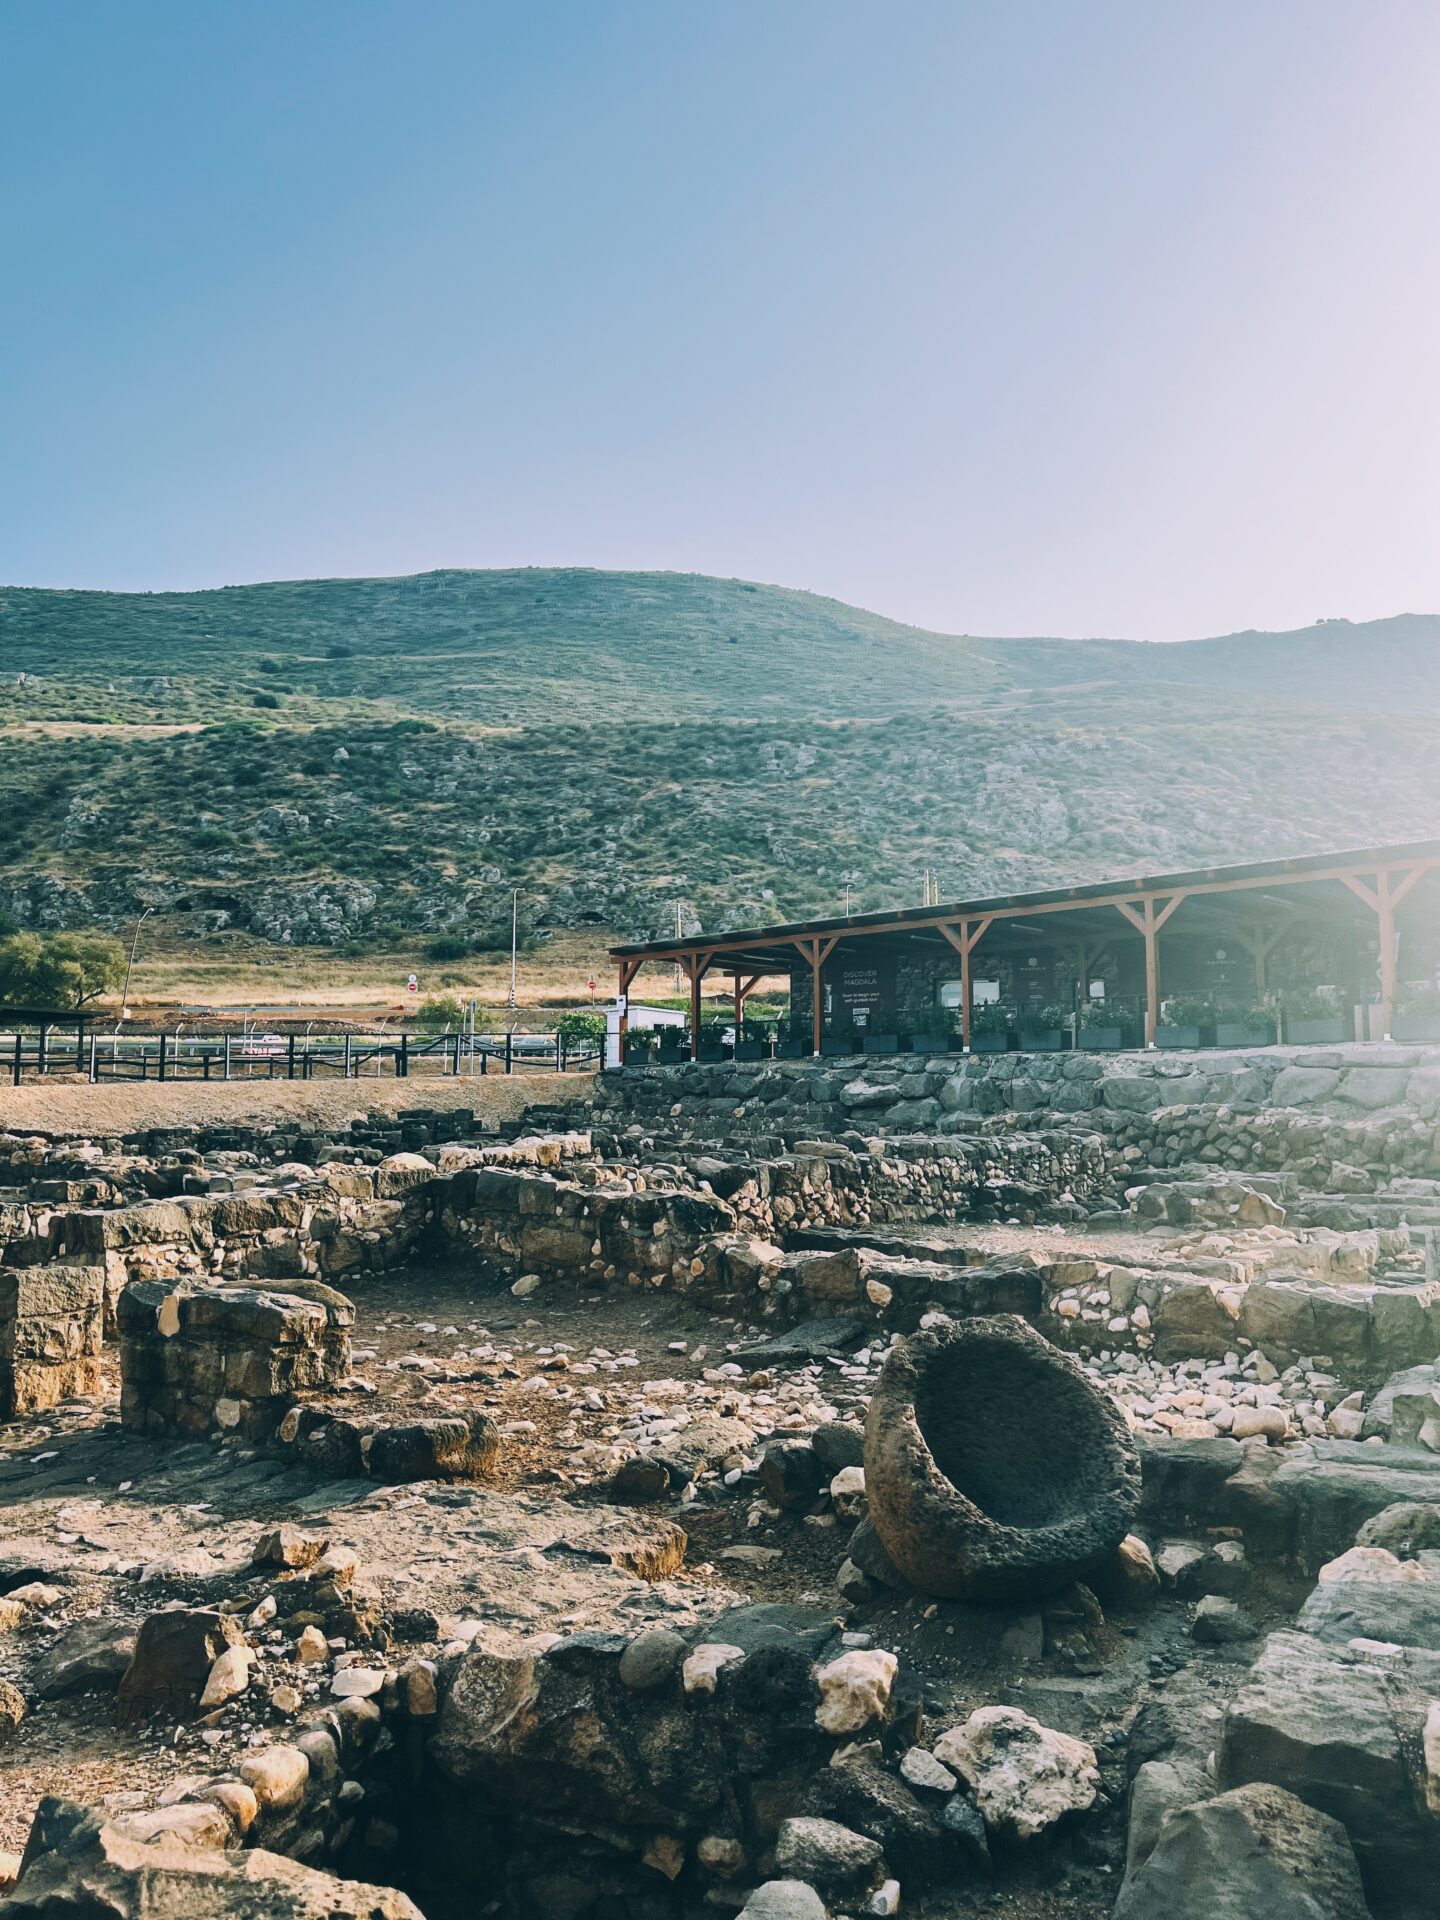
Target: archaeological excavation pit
592	1448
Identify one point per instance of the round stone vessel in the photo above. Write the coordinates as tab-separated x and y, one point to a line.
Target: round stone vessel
994	1469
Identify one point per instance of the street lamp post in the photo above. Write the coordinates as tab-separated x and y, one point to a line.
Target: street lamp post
514	944
129	964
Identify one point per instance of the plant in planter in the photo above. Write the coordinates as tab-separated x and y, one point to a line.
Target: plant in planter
840	1040
873	1041
792	1040
639	1046
1416	1014
753	1043
1245	1026
674	1046
713	1045
1314	1017
989	1027
1043	1029
1101	1029
934	1037
1181	1022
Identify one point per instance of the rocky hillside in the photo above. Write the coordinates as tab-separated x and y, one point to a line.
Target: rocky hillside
351	762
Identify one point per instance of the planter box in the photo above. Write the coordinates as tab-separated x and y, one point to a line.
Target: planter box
752	1050
881	1043
1101	1039
1316	1033
930	1043
1415	1026
712	1051
1233	1033
1043	1040
989	1043
671	1056
1177	1036
791	1050
831	1045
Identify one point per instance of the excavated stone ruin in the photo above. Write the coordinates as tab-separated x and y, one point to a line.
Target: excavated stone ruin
995	1469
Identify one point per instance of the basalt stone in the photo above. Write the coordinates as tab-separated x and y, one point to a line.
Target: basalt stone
446	1447
995	1470
174	1653
78	1864
1256	1850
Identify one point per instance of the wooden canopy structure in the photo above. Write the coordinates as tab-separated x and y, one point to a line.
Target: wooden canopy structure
1255	905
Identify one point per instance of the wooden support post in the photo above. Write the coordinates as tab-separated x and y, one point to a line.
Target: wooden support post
739	1008
1385	913
402	1059
164	1038
40	1060
1260	941
696	972
227	1057
628	971
19	1066
290	1059
1152	973
817	951
965	936
93	1073
1147	921
346	1056
79	1046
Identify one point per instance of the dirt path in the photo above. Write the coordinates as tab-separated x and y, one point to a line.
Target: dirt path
80	1109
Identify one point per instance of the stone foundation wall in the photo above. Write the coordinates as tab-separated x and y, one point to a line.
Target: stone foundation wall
50	1333
228	1359
1322	1297
612	1225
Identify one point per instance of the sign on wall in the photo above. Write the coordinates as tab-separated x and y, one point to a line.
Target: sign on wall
860	993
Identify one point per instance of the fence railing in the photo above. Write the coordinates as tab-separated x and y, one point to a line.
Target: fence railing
165	1056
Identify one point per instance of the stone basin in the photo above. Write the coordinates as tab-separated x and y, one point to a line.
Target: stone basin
995	1469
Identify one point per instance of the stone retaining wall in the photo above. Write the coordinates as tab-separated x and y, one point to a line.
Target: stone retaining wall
1374	1107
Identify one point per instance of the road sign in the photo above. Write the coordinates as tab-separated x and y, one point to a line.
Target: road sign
412	984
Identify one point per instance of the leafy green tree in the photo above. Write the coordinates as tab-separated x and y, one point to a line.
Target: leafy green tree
578	1028
439	1011
60	970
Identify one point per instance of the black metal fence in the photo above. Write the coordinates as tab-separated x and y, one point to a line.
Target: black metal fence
165	1056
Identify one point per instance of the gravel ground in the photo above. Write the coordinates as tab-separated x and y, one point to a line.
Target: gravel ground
76	1108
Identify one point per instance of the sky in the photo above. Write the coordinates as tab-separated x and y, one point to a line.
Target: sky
1076	317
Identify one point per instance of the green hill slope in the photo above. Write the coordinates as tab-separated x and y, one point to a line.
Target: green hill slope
351	761
507	647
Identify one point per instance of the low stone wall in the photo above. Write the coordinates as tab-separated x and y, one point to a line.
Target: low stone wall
227	1359
615	1225
50	1333
518	1222
328	1223
1287	1298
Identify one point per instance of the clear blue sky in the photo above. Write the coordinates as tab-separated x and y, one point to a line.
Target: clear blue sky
1109	316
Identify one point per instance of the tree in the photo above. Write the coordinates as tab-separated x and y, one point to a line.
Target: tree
439	1013
578	1028
60	970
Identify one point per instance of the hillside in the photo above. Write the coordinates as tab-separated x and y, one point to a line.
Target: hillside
614	743
504	647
